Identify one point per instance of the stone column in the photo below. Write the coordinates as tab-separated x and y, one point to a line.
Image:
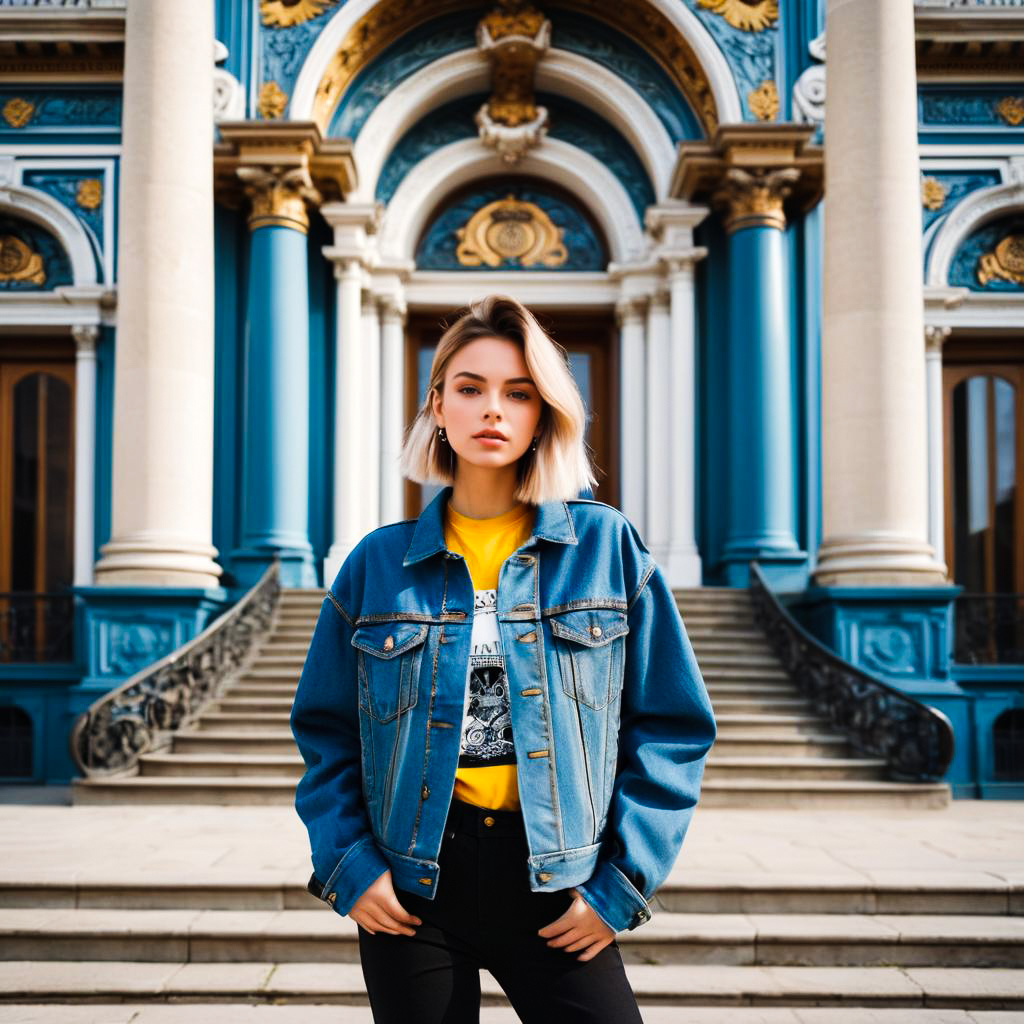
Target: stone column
161	516
392	423
370	427
875	458
85	337
658	422
935	337
632	435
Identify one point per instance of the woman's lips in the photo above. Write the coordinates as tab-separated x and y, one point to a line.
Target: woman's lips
492	440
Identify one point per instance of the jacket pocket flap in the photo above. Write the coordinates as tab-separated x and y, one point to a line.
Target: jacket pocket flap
593	627
389	639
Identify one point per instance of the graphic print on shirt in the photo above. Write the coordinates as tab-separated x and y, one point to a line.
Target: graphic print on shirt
486	725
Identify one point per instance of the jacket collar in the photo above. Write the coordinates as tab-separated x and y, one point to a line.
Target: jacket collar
553	522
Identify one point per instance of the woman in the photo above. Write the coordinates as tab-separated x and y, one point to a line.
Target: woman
529	725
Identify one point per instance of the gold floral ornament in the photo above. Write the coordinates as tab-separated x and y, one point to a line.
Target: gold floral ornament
286	13
1006	261
764	101
510	229
89	194
18	262
1011	110
18	112
272	102
746	15
933	193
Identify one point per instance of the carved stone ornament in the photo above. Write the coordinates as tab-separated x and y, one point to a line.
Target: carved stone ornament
510	229
228	94
764	101
933	193
19	262
286	13
1006	261
18	112
1011	110
273	101
746	15
278	196
809	88
89	194
513	36
754	199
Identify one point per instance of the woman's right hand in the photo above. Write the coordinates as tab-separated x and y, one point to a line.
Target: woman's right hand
378	909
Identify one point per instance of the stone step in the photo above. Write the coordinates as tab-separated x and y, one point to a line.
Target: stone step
259	673
675	985
752	705
846	793
743	674
287	766
729	657
768	723
684	891
742	689
218	790
233	702
319	936
230	741
793	768
217	720
259	689
745	744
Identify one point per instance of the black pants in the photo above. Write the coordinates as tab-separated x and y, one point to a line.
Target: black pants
485	915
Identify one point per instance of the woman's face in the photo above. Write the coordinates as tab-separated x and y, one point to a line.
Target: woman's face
487	387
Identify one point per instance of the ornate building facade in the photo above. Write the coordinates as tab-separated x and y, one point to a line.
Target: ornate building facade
232	233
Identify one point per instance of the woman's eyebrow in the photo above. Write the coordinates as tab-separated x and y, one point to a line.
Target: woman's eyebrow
511	380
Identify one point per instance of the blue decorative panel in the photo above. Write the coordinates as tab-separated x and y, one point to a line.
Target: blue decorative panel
751	55
568	121
966	105
80	191
59	109
282	50
31	259
956	185
964	269
436	250
575	33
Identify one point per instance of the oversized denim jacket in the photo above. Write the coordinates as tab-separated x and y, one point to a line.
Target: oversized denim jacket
610	716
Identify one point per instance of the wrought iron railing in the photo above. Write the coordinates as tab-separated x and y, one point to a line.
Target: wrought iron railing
36	626
144	711
988	629
915	739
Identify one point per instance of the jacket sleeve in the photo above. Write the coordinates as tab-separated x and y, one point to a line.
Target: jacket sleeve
666	729
329	796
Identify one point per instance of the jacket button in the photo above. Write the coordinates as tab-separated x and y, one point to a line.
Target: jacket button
426	792
595	630
389	642
424	881
331	897
488	821
543	876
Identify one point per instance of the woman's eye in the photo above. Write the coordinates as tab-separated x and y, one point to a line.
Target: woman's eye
466	387
522	393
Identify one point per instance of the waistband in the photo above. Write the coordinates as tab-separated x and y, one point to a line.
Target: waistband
483	821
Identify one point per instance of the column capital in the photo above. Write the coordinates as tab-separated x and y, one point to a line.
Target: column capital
86	336
935	336
759	173
282	167
630	307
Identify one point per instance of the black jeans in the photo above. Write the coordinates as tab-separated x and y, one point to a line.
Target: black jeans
485	915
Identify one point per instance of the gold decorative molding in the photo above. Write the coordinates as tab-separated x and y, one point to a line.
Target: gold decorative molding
764	101
280	169
389	19
510	229
18	112
933	193
272	102
746	15
1011	110
760	174
20	262
286	13
89	194
1006	261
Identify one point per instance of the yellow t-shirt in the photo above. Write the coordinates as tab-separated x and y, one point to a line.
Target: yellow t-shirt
486	773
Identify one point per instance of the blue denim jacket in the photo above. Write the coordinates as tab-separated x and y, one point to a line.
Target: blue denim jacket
611	720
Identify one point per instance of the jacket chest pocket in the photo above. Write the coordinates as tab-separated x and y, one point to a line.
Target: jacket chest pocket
590	645
390	654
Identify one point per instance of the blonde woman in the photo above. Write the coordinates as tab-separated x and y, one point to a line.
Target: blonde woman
502	719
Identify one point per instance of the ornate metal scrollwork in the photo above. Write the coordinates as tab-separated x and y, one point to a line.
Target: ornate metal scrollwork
140	714
915	739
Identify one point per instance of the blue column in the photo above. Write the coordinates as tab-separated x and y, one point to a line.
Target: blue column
761	521
275	427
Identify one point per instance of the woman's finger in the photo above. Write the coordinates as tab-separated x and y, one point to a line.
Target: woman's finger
593	950
572	935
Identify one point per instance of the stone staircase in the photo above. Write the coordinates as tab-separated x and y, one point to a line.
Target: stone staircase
771	751
872	948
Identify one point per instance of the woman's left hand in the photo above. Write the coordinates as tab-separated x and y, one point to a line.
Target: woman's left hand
578	928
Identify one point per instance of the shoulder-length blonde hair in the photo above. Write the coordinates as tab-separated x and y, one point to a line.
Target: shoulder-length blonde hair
560	467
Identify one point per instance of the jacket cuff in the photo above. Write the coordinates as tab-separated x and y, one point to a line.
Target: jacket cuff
614	898
361	866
